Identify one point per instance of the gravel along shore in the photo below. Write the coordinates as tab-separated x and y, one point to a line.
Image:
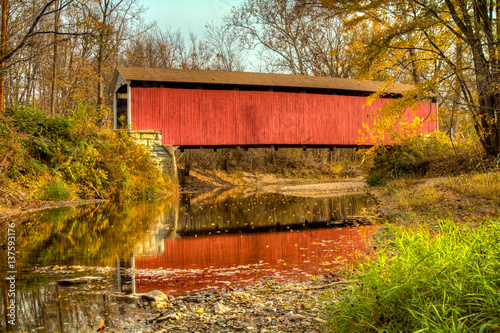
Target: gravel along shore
264	307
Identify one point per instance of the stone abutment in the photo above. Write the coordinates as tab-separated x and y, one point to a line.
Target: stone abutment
163	155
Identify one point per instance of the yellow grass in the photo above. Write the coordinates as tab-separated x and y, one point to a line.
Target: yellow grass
406	197
485	186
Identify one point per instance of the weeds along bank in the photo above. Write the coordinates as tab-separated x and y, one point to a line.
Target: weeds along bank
444	279
437	264
69	157
432	178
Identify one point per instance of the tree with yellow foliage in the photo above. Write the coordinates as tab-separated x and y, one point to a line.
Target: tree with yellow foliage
446	47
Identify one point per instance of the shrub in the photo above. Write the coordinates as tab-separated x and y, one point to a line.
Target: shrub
432	154
374	179
56	191
77	151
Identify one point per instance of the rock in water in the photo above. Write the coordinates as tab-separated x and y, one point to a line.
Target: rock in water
80	280
221	321
155	296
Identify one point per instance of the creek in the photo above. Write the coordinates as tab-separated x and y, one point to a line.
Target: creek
220	240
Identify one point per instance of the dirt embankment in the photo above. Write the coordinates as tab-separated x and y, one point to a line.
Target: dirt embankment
34	206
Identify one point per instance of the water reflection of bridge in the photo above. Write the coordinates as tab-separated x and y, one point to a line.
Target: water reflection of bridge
230	260
238	210
233	251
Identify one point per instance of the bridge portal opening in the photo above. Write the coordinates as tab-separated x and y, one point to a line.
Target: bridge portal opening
121	108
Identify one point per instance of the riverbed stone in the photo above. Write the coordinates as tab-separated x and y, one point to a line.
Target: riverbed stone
154	295
171	316
221	322
320	320
293	316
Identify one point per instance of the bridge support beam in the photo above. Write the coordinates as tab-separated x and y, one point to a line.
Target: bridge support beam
163	155
173	161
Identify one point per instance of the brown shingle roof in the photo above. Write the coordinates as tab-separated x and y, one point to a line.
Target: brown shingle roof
252	79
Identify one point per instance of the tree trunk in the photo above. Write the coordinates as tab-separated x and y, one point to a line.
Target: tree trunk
54	61
100	56
489	102
487	83
2	54
414	70
100	96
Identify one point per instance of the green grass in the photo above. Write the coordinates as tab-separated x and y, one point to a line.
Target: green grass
447	281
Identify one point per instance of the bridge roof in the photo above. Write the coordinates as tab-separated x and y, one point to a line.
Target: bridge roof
253	79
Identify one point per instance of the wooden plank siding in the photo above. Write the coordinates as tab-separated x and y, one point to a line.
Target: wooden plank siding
197	117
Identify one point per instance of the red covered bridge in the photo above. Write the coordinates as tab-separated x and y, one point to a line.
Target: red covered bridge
194	108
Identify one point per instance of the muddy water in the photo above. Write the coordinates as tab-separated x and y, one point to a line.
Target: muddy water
222	239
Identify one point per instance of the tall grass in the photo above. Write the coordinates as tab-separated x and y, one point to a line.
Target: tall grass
485	186
431	155
56	190
444	282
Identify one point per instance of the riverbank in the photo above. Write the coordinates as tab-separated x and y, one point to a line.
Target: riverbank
21	202
55	161
435	277
437	250
35	206
267	306
465	198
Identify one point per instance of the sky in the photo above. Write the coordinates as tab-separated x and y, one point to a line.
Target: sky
188	15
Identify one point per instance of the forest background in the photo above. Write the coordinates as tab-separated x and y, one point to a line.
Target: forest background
57	58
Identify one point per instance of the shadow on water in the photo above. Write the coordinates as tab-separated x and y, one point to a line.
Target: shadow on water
221	239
